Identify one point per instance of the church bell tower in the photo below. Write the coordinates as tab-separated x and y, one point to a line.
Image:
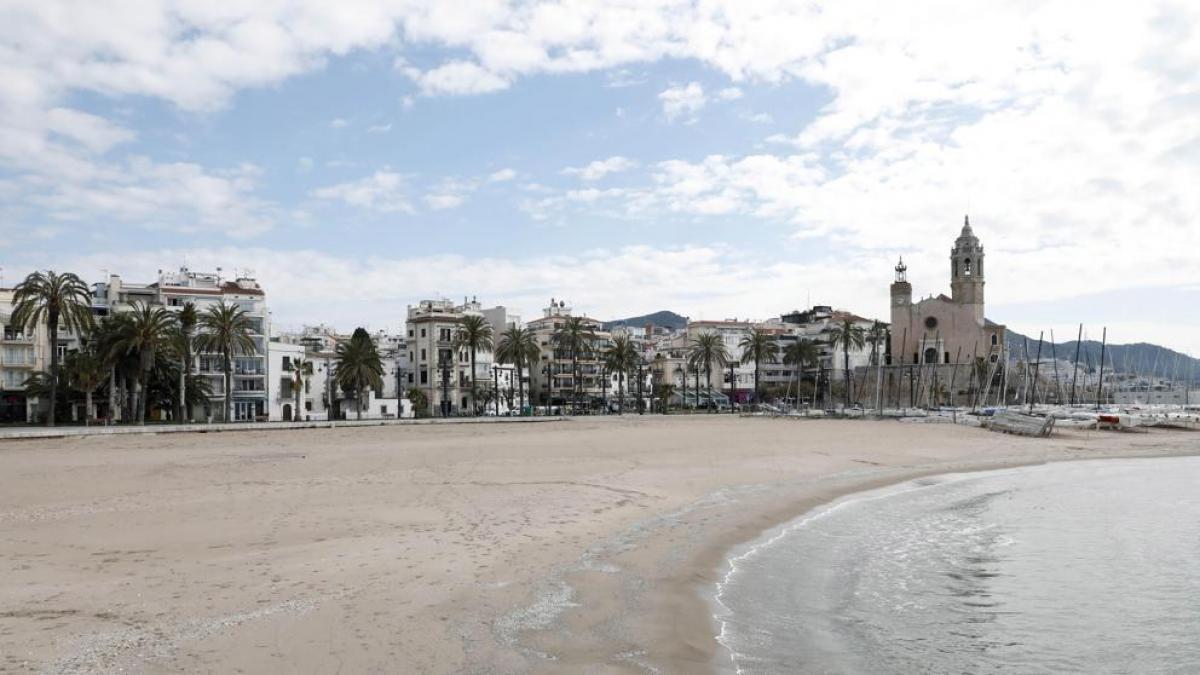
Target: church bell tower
966	269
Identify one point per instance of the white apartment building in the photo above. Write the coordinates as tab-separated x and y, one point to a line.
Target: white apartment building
552	377
437	366
21	355
173	290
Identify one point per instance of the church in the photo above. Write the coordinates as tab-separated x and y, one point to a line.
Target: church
946	330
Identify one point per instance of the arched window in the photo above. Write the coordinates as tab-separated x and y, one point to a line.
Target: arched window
931	355
967	267
995	340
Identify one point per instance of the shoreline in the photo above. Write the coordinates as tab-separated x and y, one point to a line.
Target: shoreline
511	548
681	619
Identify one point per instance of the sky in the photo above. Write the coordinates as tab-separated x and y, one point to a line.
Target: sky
719	159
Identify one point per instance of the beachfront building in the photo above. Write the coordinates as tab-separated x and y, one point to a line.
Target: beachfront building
22	353
174	290
941	329
437	365
553	380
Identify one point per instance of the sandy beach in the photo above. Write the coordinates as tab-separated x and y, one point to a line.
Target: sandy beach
586	545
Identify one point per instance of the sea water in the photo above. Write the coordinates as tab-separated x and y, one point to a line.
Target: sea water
1088	566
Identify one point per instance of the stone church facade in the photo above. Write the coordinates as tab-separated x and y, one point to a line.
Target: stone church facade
946	330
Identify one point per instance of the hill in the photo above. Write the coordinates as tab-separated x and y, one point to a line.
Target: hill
664	318
1142	358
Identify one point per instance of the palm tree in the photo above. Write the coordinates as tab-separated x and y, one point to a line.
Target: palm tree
846	335
187	325
875	336
576	335
86	369
799	354
58	300
359	366
620	358
758	345
519	347
474	334
707	349
666	391
302	367
225	329
105	338
148	330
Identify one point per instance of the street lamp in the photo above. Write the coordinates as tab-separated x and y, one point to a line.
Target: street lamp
641	362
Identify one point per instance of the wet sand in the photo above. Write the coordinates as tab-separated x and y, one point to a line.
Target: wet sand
582	546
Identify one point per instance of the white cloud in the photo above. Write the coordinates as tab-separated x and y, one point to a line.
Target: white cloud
601	168
729	94
94	133
379	128
682	100
304	164
385	191
444	200
309	286
759	118
502	175
339	123
456	77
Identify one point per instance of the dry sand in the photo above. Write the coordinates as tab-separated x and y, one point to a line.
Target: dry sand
581	546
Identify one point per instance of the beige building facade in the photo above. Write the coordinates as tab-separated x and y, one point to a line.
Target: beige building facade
941	329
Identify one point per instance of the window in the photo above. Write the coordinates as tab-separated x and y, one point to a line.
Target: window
422	354
931	322
424	376
410	333
444	335
410	378
931	355
287	363
308	406
383	410
995	340
967	267
422	332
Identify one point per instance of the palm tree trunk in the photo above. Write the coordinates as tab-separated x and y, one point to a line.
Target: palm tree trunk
182	401
300	383
474	405
757	393
140	396
112	393
620	393
358	388
87	408
520	389
53	318
708	381
846	373
228	387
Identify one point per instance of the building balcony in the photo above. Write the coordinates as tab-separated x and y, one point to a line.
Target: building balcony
16	339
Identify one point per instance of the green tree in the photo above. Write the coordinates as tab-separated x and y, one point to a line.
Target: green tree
58	300
86	370
474	334
705	351
801	354
758	345
359	366
846	335
226	329
187	327
575	335
620	357
420	402
666	391
519	347
147	331
302	368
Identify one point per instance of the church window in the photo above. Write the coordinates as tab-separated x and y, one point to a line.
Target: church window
931	355
931	322
995	340
967	267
